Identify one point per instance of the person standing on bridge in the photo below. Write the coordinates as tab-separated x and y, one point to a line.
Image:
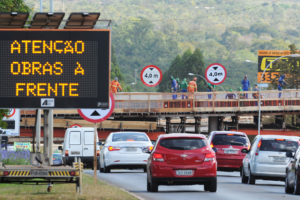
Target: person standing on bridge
245	84
281	83
183	87
192	87
210	88
115	86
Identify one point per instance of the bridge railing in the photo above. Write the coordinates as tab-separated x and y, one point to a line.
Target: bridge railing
207	101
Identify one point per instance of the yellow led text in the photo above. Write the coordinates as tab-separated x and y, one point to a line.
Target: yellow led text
43	46
46	89
32	68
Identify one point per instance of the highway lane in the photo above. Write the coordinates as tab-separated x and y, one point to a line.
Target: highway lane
229	187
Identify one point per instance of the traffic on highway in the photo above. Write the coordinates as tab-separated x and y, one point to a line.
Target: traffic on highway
182	165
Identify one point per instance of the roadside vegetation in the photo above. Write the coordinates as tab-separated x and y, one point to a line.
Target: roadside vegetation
100	190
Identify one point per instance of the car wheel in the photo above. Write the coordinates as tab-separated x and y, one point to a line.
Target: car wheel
152	186
244	177
288	189
105	169
251	178
145	169
211	186
297	184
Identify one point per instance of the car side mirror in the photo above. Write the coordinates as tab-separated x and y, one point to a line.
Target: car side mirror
60	148
289	154
215	149
245	151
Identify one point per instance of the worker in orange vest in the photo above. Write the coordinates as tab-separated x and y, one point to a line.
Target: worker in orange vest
115	86
192	87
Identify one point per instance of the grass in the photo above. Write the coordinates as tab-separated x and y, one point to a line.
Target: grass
93	191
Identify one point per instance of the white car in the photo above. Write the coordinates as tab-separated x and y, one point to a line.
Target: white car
267	158
125	150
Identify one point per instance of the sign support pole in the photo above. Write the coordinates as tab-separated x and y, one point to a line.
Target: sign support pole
38	131
95	154
48	135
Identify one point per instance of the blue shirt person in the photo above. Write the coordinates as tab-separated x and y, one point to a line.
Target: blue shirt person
281	83
245	85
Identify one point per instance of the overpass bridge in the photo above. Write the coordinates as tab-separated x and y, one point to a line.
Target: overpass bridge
142	111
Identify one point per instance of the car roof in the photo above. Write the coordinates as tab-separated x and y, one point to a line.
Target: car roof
296	138
228	132
128	132
180	135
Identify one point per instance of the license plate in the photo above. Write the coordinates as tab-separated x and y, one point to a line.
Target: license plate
231	151
131	149
75	152
279	159
184	172
39	172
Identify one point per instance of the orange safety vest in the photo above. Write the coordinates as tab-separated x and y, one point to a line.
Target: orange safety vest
192	87
115	85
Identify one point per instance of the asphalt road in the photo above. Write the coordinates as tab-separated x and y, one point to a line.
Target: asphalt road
229	187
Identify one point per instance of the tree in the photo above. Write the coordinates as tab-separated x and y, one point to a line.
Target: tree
13	6
189	62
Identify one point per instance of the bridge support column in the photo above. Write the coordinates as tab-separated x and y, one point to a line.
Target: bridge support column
221	125
197	124
213	124
168	124
235	122
280	121
182	123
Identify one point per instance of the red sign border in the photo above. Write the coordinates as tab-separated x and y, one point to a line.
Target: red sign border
148	66
218	65
8	116
105	117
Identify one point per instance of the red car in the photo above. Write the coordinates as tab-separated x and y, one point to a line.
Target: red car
182	159
228	146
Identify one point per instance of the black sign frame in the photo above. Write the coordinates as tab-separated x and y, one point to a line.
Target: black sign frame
102	58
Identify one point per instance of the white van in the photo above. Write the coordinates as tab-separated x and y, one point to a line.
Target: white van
79	142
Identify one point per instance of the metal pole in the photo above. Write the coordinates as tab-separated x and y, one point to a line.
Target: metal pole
51	6
41	5
50	140
259	99
95	154
38	131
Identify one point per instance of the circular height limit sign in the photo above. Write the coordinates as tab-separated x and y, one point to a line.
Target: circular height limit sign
215	73
151	75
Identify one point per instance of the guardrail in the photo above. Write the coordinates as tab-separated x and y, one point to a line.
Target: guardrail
207	102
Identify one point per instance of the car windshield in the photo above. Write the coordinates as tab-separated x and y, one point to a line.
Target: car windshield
278	145
182	143
129	137
229	139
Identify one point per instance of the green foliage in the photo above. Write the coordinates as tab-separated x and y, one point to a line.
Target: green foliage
189	62
13	6
229	32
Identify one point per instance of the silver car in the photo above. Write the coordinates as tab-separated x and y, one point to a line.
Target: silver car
125	150
267	158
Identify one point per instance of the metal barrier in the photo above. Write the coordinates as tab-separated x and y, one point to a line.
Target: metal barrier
207	101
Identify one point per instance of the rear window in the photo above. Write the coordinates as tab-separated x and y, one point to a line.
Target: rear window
182	143
278	145
129	137
229	139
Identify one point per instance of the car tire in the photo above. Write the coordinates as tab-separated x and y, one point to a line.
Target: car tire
152	186
211	186
251	178
288	189
105	169
145	169
297	184
243	176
